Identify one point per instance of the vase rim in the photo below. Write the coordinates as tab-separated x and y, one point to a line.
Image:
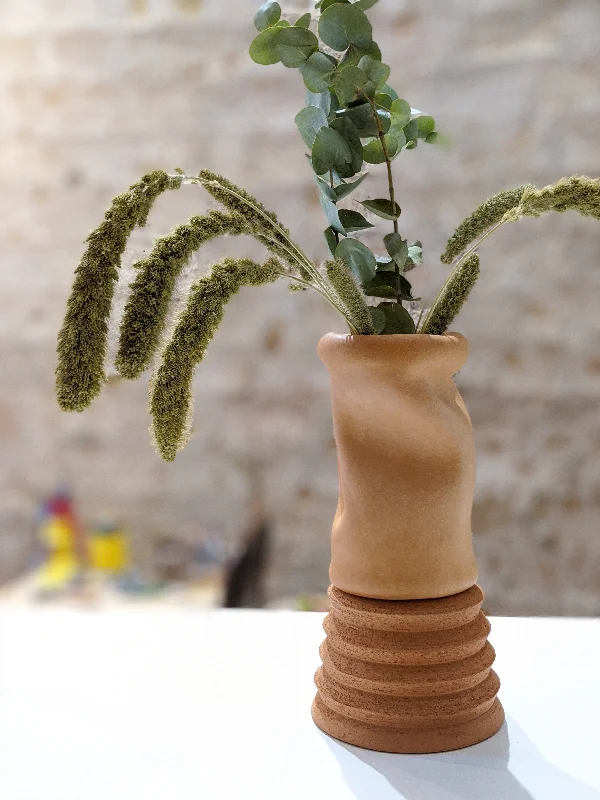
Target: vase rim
420	352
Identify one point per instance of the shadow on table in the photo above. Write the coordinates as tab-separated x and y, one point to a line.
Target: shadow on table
480	772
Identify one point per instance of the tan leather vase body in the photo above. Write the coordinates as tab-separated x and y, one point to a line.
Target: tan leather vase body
406	462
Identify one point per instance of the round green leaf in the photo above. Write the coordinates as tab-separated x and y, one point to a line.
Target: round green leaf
397	247
303	21
373	151
383	284
377	72
309	122
397	319
263	49
400	111
415	252
406	289
386	265
268	14
366	4
425	126
382	207
332	214
387	89
379	319
295	45
329	149
353	220
363	118
329	234
341	25
348	168
318	72
383	100
319	99
348	83
358	257
326	3
411	131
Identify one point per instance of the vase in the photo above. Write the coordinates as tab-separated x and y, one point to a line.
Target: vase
406	661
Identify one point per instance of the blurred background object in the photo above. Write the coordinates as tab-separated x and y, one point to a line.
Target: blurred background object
94	93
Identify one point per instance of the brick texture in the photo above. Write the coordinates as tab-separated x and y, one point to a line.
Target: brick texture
94	92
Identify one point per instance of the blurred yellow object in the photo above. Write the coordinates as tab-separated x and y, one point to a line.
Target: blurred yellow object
62	565
108	551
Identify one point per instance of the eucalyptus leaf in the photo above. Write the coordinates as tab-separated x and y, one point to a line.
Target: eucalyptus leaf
268	14
329	149
383	284
387	89
397	319
309	122
326	3
411	131
400	111
397	247
386	265
348	83
415	252
318	99
377	72
295	46
318	72
373	152
405	289
332	243
383	100
363	118
382	207
354	54
263	49
353	220
341	25
346	168
358	257
326	190
332	214
366	4
334	106
303	21
344	189
379	319
425	126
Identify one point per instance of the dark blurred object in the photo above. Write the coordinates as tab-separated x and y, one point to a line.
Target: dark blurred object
245	578
172	558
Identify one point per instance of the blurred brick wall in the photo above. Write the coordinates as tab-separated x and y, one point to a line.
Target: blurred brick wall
94	92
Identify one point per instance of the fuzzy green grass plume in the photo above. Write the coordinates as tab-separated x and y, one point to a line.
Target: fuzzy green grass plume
83	337
151	291
171	392
453	295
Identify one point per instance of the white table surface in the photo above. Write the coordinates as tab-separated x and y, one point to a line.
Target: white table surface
177	704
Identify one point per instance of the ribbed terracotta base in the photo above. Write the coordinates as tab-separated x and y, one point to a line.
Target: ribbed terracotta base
407	676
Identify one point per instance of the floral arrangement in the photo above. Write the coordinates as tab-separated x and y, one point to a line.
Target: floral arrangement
352	118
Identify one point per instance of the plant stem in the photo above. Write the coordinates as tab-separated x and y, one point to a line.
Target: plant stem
391	190
335	233
388	162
